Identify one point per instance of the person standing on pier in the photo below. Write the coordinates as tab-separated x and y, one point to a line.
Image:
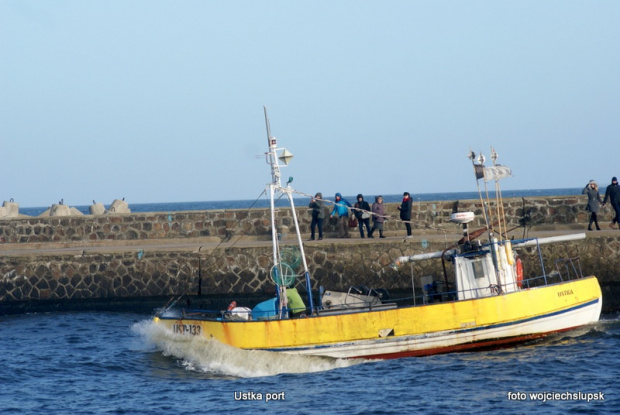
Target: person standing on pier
613	194
316	204
378	215
594	202
405	212
341	208
362	213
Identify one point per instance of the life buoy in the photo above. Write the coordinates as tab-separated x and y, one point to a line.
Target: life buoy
519	269
231	306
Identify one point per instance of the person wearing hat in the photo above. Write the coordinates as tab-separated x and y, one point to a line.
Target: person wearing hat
341	208
318	214
613	194
362	213
405	212
594	202
378	215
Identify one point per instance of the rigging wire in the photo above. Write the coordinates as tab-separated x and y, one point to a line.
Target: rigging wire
212	254
372	215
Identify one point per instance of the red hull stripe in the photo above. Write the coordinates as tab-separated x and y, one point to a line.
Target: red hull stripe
483	344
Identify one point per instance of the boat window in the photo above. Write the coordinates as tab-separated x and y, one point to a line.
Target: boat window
478	269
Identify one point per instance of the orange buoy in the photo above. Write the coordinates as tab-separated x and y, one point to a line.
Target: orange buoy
231	306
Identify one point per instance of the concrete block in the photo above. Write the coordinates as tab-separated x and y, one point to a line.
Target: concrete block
97	209
12	209
60	210
119	206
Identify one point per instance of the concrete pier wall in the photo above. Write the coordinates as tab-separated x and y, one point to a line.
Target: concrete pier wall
137	273
227	253
426	216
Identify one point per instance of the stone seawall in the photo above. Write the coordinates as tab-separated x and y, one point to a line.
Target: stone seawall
226	253
229	270
224	224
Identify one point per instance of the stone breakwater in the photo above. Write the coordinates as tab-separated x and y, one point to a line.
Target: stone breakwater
227	272
39	265
225	224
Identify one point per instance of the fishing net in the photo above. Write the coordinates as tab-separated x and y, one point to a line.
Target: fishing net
291	256
283	275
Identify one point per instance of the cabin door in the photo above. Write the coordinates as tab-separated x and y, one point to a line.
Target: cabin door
475	276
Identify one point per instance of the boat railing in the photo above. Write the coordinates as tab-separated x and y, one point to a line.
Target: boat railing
357	298
566	269
361	298
569	268
438	296
202	314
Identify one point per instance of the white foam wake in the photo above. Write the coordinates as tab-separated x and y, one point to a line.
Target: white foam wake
211	356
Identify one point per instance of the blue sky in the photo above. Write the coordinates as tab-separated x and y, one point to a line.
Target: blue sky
162	101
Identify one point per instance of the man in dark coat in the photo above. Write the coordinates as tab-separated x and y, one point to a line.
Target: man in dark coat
318	214
613	194
405	212
362	213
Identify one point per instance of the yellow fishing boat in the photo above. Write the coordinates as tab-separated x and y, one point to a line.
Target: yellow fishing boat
486	303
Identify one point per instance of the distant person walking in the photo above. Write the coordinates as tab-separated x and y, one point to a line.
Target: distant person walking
378	216
318	214
341	209
613	194
362	213
594	203
405	212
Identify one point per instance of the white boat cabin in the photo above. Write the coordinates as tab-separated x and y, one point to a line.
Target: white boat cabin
478	276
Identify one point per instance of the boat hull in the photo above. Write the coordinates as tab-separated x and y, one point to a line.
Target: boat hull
414	331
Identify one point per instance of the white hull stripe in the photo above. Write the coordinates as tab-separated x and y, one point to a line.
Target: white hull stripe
466	332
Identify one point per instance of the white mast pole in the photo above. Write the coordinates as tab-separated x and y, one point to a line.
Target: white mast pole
272	160
274	186
302	252
499	200
472	157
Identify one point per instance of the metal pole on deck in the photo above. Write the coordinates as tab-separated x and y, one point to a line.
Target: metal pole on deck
303	254
272	160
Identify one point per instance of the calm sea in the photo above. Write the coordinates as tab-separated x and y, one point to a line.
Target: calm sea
119	363
263	202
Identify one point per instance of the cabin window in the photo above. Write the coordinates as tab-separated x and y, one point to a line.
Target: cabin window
478	269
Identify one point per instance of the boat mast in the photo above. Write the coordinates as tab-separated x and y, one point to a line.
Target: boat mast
479	171
276	186
272	160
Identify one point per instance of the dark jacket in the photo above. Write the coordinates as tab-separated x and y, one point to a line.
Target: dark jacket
378	212
317	209
405	209
613	194
360	207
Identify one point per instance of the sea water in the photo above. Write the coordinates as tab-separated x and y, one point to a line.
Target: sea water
120	363
262	201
